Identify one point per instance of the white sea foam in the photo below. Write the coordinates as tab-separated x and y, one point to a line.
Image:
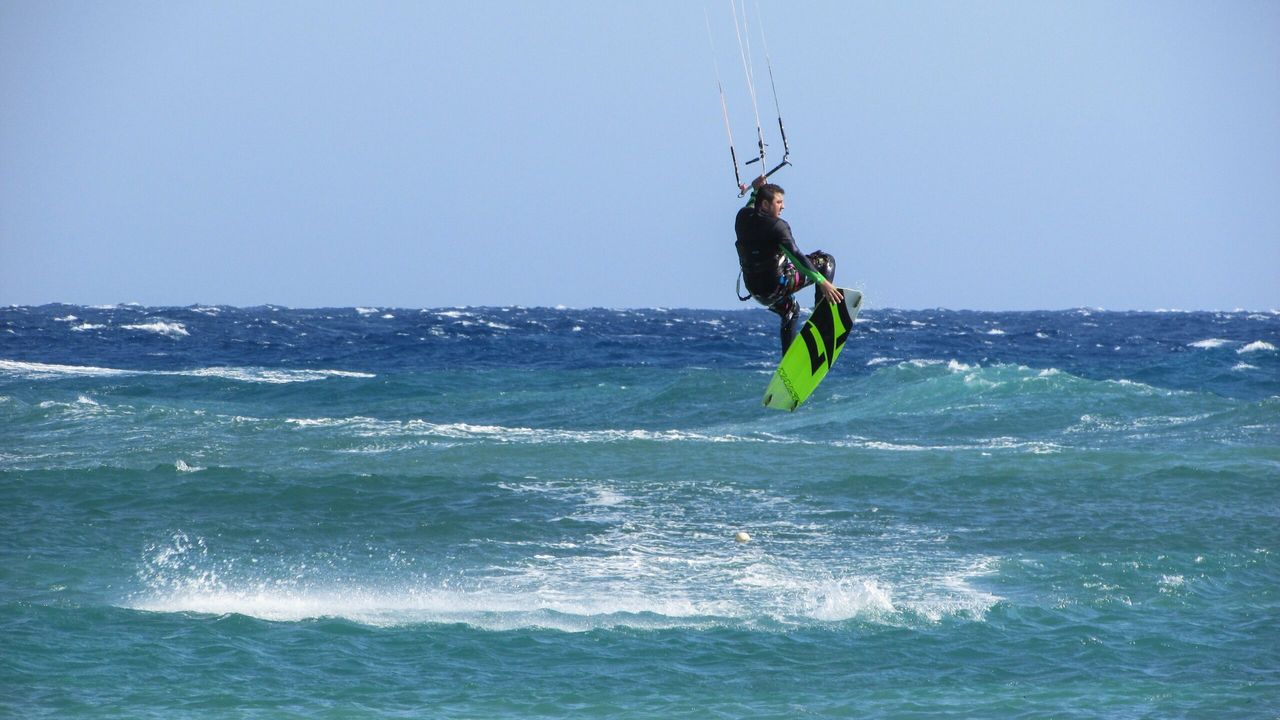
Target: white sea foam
995	331
160	327
367	311
83	407
652	600
371	427
69	318
1257	346
1242	366
1209	344
485	609
270	376
645	567
1035	447
84	327
846	599
44	371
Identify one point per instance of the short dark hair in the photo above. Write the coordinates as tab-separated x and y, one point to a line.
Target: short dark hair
768	191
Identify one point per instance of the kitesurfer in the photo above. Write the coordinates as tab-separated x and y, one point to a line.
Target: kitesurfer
772	266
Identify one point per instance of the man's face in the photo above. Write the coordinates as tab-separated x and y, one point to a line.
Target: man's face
773	208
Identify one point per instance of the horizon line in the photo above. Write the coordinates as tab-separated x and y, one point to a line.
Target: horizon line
381	308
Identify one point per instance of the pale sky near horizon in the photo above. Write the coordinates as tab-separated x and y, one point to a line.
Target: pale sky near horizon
981	155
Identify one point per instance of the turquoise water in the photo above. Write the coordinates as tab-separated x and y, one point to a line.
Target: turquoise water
509	512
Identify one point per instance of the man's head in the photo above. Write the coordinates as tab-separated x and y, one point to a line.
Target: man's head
770	200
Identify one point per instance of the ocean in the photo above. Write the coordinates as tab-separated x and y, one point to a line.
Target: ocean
531	513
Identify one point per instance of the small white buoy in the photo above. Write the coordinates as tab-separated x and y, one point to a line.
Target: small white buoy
742	537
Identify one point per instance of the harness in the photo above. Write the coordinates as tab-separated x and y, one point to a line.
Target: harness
772	297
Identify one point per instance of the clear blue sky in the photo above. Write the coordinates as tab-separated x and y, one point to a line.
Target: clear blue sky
987	155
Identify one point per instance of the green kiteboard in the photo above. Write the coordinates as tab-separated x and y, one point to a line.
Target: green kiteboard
813	352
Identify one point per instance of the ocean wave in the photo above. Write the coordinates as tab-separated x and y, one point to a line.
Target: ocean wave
1214	343
45	371
493	604
1257	346
269	375
170	329
1209	344
1035	447
808	603
642	580
40	371
373	427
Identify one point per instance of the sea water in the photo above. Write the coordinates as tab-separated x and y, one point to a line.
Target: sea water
518	512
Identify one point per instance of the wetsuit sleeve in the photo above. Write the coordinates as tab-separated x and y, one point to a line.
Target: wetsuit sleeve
788	245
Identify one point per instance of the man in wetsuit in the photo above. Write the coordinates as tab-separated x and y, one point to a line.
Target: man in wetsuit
772	266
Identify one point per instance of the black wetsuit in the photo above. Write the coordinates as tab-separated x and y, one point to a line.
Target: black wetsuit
773	268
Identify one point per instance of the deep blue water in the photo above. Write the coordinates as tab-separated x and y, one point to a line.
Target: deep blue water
510	512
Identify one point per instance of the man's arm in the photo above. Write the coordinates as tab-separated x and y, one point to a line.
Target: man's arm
797	258
755	186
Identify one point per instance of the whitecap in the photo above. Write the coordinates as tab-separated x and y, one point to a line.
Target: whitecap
847	599
269	375
85	327
160	327
1209	344
69	318
44	371
1257	346
41	371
